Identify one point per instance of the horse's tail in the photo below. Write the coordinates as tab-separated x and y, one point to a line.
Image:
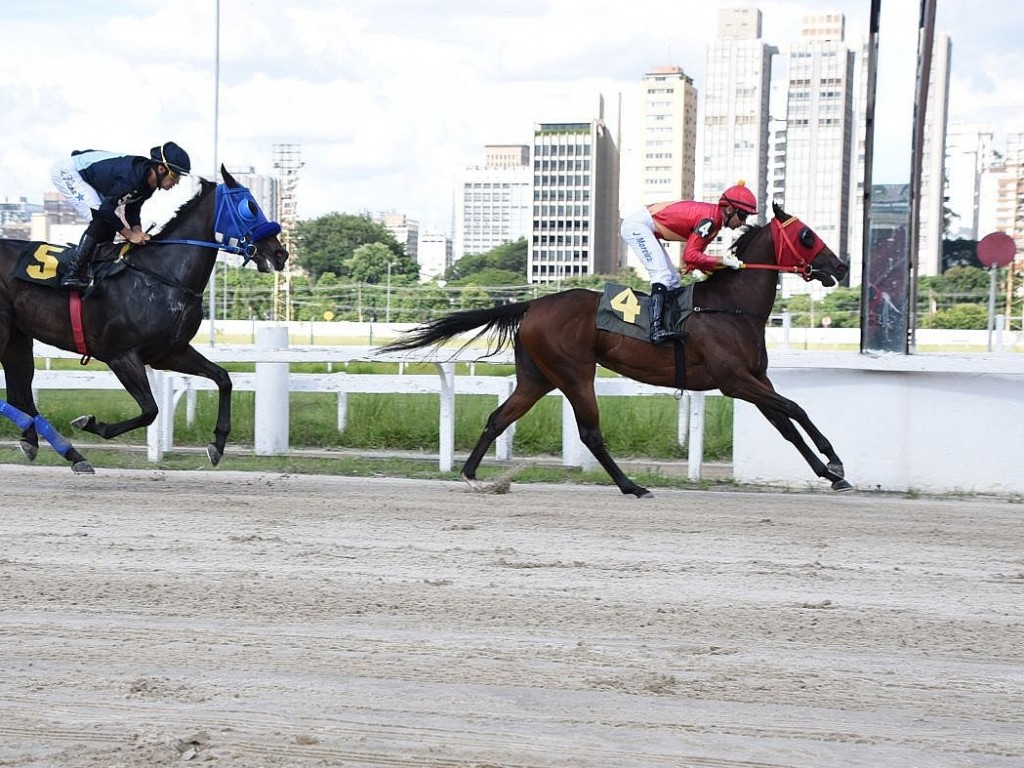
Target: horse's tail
500	322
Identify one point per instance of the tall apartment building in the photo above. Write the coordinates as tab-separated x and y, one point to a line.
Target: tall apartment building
819	131
736	107
667	144
575	201
968	155
493	201
933	176
405	230
1001	194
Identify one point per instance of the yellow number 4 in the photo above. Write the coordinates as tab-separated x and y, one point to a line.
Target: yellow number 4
627	304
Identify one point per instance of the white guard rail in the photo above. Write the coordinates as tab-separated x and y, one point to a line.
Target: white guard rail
273	358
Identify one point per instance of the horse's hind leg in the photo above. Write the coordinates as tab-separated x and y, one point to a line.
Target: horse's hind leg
523	398
584	404
19	370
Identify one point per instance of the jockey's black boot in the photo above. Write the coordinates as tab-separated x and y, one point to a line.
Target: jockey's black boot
658	332
76	277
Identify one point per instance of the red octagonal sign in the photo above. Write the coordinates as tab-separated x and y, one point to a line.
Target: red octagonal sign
996	249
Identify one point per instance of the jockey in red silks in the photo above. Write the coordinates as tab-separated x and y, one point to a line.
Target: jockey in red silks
690	221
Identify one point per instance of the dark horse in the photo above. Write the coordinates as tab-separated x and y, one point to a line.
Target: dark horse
145	312
559	346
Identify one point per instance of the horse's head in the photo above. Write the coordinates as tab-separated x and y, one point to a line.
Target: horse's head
799	249
241	223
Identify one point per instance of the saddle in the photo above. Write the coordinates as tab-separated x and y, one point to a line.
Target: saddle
44	263
625	311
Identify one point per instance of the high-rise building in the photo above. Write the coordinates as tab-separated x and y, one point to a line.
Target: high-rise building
575	201
405	230
819	118
933	177
736	107
493	201
968	154
1001	193
434	255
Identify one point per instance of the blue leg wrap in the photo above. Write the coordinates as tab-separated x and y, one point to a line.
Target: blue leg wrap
53	437
21	420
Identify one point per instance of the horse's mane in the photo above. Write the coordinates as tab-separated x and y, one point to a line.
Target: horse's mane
183	213
740	244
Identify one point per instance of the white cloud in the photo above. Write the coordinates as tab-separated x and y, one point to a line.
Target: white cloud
387	99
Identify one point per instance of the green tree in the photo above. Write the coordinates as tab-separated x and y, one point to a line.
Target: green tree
511	257
327	244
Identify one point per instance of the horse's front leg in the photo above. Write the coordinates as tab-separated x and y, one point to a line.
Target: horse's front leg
188	360
782	417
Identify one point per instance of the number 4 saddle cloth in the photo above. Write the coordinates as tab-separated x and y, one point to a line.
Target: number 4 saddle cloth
623	310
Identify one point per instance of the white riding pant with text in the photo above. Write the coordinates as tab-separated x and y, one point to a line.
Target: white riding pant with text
73	188
638	232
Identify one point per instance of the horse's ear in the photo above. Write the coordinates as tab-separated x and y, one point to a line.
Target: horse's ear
777	210
228	178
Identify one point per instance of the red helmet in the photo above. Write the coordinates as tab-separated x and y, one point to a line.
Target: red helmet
740	198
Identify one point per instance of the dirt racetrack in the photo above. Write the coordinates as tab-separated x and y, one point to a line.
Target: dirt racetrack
241	620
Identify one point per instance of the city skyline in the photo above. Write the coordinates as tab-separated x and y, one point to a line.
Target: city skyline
389	100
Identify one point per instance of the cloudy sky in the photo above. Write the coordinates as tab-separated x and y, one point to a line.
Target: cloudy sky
388	99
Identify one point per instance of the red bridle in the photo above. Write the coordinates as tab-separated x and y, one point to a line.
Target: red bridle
796	246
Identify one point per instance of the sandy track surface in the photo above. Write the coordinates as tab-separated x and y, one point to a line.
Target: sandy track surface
244	620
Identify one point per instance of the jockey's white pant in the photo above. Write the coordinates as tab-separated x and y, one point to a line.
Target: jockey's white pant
73	188
638	232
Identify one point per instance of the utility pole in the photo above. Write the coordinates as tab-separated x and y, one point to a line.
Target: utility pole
287	163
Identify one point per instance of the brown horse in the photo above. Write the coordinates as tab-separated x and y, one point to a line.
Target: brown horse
559	346
145	312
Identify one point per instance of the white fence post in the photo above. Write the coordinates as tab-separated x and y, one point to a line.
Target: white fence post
503	444
272	407
446	418
160	434
695	447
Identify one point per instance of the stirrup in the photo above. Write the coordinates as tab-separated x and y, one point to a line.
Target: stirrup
75	283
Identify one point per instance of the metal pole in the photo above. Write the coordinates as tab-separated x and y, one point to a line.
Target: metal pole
387	309
991	303
216	120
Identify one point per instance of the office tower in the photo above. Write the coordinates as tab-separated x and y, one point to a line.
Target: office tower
736	107
819	115
493	201
575	201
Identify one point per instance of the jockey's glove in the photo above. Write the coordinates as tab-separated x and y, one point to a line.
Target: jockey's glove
730	260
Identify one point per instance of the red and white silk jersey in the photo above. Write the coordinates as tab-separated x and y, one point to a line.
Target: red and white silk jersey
695	222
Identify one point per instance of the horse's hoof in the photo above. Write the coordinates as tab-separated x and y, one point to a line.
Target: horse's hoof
640	493
81	422
83	467
841	485
30	451
214	454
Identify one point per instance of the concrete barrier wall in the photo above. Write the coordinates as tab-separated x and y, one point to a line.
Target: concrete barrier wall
936	423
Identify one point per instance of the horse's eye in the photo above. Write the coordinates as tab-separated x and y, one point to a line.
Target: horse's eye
807	237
